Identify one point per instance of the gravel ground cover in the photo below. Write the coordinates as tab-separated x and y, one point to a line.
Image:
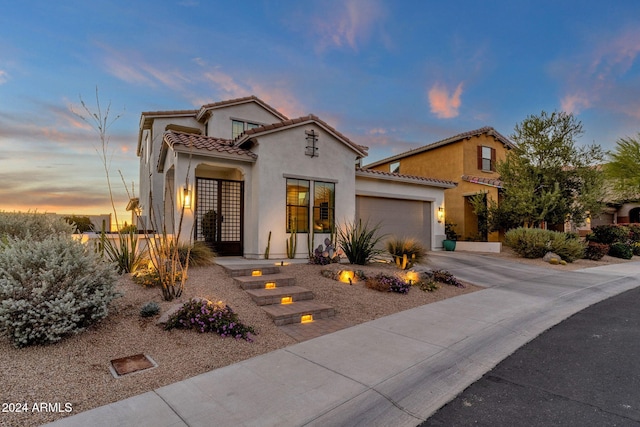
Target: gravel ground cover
73	375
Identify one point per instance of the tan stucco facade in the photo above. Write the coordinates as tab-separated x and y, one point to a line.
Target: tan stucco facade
452	160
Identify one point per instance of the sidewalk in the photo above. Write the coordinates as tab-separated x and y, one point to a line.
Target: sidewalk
396	370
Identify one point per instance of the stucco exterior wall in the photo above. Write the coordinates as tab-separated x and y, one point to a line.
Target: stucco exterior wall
219	124
281	155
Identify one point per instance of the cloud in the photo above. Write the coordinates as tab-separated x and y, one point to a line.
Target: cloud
443	105
347	23
3	77
600	76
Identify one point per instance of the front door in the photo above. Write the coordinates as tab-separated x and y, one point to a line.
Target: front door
219	215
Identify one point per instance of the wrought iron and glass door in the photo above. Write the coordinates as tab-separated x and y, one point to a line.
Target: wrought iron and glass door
219	214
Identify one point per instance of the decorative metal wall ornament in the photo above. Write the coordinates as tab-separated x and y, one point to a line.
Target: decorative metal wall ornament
311	149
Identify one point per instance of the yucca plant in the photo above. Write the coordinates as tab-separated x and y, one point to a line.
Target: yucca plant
405	251
358	241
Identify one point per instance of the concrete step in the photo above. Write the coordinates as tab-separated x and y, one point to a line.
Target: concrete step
247	270
286	314
274	296
258	282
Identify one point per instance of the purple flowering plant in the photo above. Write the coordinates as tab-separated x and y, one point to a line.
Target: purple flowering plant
386	283
207	316
444	276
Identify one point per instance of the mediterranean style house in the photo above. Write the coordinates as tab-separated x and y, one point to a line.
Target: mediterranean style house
247	177
469	159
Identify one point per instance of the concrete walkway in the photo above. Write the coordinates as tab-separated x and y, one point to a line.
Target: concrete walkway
397	370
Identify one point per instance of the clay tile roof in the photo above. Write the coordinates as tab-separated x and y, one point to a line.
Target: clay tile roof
459	137
291	122
208	143
484	181
400	177
252	98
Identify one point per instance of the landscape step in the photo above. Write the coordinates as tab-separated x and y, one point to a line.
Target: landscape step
274	296
258	282
286	314
244	270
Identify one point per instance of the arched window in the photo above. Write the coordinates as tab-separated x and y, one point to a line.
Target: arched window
634	215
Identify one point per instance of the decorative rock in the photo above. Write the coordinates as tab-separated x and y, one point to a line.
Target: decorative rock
549	256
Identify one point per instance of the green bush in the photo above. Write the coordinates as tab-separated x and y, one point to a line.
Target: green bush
150	309
32	225
595	251
609	234
51	288
81	223
412	248
358	242
636	248
621	250
634	232
536	242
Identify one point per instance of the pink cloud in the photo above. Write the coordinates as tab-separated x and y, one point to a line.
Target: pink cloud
444	105
575	102
3	77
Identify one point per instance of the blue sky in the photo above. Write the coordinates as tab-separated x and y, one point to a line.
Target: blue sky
392	75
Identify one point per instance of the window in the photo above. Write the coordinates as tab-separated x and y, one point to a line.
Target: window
238	126
323	206
486	158
394	167
297	205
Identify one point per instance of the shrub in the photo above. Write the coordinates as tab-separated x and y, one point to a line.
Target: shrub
536	242
386	283
634	232
32	225
51	288
149	277
199	254
595	251
81	223
358	242
123	251
150	309
207	316
443	276
405	251
621	250
609	234
636	248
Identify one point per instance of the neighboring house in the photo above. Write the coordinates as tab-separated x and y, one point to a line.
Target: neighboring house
243	171
469	159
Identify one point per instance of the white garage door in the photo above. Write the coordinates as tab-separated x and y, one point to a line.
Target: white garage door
401	218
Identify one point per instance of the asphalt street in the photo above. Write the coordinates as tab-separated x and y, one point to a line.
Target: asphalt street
584	371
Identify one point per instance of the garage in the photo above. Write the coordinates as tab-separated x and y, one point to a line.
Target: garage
397	217
404	206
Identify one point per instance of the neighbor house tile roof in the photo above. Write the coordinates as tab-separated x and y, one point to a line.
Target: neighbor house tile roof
372	173
246	135
459	137
484	181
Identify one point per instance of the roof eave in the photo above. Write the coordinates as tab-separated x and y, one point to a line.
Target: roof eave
407	180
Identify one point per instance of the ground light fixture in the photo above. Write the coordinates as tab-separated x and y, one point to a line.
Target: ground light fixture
346	276
256	273
270	285
412	277
306	318
286	300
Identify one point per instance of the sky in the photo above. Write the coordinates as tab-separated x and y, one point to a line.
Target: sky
391	75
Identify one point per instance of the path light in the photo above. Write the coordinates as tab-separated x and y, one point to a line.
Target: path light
412	277
286	300
346	276
306	318
256	273
270	285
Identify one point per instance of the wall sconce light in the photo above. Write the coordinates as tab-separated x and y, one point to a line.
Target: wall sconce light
186	198
440	214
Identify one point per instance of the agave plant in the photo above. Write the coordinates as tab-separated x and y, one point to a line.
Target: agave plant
358	242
